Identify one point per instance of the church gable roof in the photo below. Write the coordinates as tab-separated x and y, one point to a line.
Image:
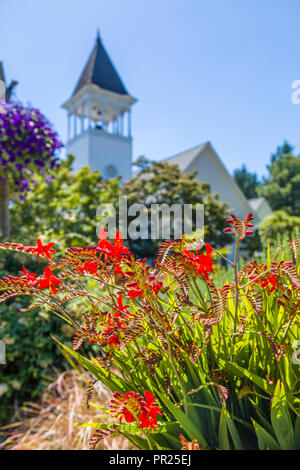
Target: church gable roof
192	159
100	71
184	159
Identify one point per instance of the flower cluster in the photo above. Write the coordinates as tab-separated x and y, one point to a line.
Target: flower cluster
116	250
48	280
132	407
203	264
27	144
172	329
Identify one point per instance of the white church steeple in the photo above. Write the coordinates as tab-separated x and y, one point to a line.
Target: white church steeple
99	118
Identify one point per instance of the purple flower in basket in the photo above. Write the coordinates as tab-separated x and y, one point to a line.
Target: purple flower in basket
27	143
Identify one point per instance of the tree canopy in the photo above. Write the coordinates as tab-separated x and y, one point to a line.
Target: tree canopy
247	181
282	185
159	183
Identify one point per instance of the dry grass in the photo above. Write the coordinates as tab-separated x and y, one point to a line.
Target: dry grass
49	425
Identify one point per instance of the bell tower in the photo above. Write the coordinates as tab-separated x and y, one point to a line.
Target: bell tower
99	118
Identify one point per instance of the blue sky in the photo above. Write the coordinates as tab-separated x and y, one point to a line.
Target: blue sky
217	70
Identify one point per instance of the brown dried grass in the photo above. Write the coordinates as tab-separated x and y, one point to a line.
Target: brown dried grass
49	425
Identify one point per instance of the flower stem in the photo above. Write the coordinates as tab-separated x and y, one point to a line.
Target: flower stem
236	299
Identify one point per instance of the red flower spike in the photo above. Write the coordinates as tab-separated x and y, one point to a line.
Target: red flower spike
126	407
241	226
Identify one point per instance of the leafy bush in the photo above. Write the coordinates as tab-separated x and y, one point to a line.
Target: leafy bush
30	356
64	209
191	365
278	225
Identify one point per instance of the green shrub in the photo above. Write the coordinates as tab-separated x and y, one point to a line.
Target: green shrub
278	227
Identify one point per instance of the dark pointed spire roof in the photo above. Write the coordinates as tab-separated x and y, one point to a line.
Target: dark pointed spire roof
100	71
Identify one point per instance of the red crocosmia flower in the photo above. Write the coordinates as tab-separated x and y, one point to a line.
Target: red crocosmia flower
127	415
49	281
150	410
116	250
30	277
133	293
114	340
118	270
202	263
132	284
134	407
90	266
268	282
43	250
121	307
156	287
126	406
92	341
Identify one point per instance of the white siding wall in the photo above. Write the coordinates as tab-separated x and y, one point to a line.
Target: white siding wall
79	147
99	149
211	171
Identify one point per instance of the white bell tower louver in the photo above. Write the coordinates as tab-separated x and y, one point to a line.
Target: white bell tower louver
99	118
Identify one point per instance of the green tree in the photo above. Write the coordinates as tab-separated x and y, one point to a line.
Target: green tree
247	181
63	210
160	183
282	186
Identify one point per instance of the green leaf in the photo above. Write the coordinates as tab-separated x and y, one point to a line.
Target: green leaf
240	372
281	419
297	434
193	431
233	431
265	440
112	381
223	432
132	428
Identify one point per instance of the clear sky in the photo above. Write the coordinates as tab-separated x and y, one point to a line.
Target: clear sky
217	70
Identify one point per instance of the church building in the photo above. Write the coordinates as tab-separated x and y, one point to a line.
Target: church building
100	135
